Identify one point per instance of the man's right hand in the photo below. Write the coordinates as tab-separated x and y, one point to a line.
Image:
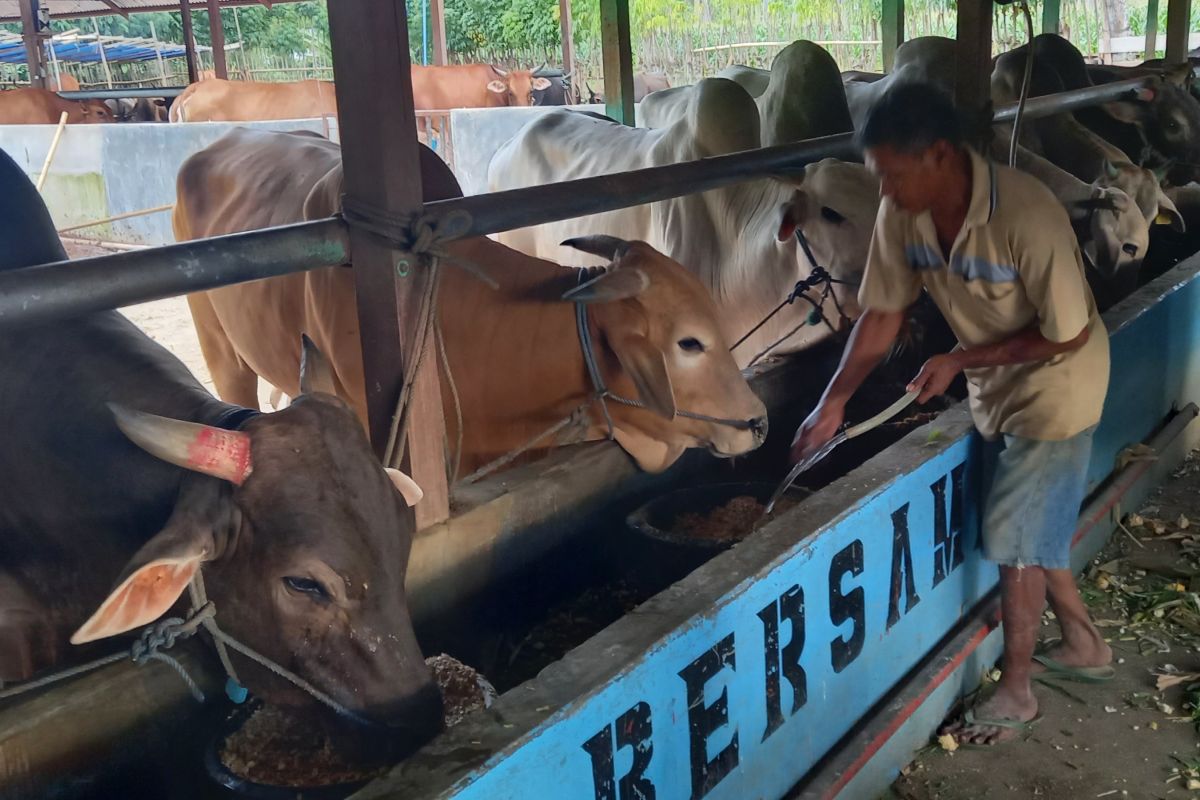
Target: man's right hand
821	426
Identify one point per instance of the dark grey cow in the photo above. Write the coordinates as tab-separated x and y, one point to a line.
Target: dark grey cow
119	470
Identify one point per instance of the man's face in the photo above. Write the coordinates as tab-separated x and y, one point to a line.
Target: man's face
913	181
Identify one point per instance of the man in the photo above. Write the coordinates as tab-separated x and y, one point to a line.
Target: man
995	251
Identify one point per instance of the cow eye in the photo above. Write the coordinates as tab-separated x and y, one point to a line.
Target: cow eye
691	345
1130	249
307	586
832	216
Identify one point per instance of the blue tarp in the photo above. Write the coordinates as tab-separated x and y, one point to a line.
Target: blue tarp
89	52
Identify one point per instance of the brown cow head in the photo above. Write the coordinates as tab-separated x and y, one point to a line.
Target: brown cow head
515	87
304	545
657	340
95	111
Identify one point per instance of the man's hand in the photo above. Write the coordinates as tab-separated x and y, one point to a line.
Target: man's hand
818	429
935	376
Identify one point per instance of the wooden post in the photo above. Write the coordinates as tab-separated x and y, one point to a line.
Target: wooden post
189	39
1051	15
33	44
217	31
973	62
437	30
382	168
1151	28
568	41
162	66
892	32
618	60
1179	14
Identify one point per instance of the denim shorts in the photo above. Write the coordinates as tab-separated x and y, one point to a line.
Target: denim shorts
1033	491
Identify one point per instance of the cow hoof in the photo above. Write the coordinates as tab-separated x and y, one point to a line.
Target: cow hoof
26	644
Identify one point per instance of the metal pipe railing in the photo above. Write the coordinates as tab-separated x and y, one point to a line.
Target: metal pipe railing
66	289
120	94
69	288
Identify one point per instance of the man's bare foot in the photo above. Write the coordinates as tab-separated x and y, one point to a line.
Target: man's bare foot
999	706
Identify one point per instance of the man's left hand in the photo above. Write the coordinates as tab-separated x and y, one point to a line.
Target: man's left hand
935	377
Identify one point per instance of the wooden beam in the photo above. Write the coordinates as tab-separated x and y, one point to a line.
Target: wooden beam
892	31
437	31
1051	15
217	31
34	57
1178	22
189	39
566	28
117	8
382	170
1151	29
973	63
618	60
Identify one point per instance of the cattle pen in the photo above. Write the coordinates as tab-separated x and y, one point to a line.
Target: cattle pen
810	661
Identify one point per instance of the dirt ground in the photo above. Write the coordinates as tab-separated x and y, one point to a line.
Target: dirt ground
1125	738
167	322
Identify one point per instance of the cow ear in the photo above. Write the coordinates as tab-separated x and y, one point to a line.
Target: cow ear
540	84
647	366
791	215
1124	111
316	374
407	487
497	87
1168	214
620	283
159	573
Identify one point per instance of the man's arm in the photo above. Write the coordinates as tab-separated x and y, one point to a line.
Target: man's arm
1021	348
870	341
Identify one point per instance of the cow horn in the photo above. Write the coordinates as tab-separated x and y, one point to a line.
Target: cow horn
316	374
611	247
201	448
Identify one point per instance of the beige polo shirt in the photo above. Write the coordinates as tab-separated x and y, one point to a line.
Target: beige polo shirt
1015	263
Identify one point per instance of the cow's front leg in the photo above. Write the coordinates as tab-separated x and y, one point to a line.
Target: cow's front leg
27	638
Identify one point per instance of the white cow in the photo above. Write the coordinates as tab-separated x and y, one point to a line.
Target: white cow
738	239
1112	203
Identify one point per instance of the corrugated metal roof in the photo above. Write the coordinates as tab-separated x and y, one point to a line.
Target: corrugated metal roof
86	50
10	10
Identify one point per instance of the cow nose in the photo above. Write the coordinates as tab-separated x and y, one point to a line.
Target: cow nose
406	726
758	427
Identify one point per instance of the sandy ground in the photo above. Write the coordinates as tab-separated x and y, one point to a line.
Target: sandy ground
1125	738
167	322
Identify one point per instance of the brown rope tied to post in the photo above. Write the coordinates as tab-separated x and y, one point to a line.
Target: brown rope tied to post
421	239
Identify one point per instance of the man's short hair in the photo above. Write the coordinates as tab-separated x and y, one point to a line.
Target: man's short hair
910	118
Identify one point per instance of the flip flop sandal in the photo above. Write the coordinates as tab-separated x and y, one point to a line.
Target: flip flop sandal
1058	671
1020	726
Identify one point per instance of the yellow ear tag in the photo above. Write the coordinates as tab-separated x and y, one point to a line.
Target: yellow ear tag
1162	219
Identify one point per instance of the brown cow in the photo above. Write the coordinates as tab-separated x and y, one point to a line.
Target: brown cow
644	83
217	100
473	86
43	107
514	353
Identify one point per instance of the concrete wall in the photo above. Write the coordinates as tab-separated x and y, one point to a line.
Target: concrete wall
104	170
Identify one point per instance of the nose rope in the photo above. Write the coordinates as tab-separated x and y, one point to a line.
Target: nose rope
818	277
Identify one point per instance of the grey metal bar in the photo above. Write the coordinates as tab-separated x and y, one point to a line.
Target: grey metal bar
1060	103
535	205
119	94
69	288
